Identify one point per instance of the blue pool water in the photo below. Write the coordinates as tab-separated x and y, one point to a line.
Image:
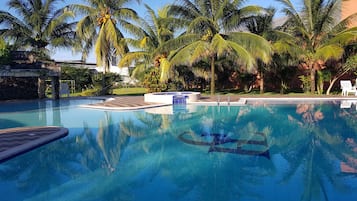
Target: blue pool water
208	153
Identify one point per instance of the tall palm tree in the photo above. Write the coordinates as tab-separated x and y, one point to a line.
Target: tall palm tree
99	27
211	35
148	36
263	26
37	25
318	33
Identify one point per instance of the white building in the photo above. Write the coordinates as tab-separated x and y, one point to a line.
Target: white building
122	71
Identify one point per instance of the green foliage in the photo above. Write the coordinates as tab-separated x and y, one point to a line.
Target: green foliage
88	82
306	83
322	76
152	81
351	62
317	32
82	76
106	82
204	38
37	25
4	52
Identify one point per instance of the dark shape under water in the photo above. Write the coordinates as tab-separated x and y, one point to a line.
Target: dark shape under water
219	139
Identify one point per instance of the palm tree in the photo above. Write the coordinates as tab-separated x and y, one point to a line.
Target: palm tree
37	25
262	25
149	35
318	34
99	27
210	35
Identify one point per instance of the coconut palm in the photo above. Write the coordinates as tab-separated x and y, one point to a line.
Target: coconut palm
37	25
149	35
263	26
99	27
209	35
318	33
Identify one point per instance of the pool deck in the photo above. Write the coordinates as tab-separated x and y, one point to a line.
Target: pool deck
137	102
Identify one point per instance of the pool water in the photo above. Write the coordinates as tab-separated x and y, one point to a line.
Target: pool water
207	153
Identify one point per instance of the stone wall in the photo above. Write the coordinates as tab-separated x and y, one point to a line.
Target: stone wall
18	88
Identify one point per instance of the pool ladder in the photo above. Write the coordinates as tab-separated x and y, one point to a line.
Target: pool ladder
219	100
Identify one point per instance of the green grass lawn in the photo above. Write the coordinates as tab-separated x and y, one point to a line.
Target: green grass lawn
130	91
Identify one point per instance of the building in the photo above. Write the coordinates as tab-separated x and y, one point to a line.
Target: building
25	77
348	8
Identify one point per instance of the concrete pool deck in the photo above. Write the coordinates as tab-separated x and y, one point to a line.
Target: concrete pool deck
137	102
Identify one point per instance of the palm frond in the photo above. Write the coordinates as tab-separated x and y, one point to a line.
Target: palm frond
133	57
256	45
220	46
242	56
82	9
189	54
176	43
341	26
329	52
344	38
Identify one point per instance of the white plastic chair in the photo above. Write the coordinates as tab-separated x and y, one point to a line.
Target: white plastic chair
347	88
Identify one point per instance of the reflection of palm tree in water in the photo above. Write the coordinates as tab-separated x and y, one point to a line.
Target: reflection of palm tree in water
219	176
202	175
308	113
108	144
313	150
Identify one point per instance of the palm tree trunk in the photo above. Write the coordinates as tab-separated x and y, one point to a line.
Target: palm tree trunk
213	83
261	82
312	79
106	69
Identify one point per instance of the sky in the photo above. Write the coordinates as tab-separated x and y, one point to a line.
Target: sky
66	54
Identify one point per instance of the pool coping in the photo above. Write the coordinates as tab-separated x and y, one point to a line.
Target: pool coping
123	108
137	102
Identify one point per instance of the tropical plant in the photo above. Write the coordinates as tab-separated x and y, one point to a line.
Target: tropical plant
149	35
100	27
82	76
37	25
318	33
209	35
152	80
4	52
262	25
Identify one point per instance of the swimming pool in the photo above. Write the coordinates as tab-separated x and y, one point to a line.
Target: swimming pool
254	152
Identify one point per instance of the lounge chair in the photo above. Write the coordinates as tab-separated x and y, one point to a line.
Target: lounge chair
347	88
